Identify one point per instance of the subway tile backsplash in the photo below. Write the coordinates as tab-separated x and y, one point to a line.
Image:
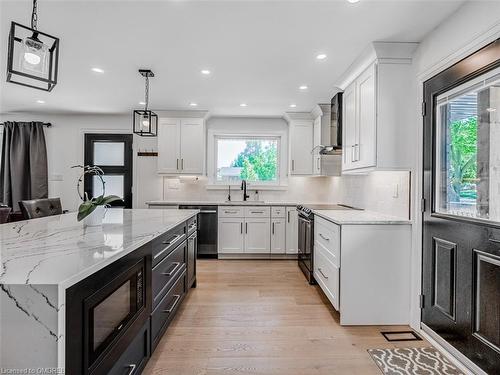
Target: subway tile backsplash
381	191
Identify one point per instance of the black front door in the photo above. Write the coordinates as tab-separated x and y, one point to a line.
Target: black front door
461	220
113	154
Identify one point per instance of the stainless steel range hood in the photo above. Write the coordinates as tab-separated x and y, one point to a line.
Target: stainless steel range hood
329	151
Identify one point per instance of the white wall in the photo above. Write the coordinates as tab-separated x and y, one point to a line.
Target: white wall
65	149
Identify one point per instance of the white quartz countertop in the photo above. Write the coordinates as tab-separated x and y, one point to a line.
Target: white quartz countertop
59	250
344	217
219	203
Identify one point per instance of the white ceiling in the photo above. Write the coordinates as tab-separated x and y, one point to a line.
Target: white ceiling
259	52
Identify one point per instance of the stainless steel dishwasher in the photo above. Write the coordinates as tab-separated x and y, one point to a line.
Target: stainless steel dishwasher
207	230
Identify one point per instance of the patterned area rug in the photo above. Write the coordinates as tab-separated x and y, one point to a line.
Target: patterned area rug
413	361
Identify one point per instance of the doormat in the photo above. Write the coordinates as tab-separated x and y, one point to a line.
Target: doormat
401	336
413	361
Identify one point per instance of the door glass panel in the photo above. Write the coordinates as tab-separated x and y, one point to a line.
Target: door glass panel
113	185
109	153
467	175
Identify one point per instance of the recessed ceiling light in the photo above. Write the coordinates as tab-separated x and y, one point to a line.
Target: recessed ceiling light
293	105
193	104
353	1
142	103
243	105
97	70
321	56
39	101
303	87
205	72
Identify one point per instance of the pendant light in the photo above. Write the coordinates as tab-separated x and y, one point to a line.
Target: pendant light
145	120
33	55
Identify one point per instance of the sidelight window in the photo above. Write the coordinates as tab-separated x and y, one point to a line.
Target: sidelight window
467	153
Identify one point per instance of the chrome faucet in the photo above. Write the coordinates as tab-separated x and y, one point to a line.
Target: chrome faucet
244	188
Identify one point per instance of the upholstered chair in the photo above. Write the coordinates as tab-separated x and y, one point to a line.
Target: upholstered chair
35	208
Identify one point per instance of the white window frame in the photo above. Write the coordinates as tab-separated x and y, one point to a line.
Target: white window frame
280	184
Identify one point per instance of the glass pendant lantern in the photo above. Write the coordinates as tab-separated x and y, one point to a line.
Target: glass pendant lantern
32	56
145	120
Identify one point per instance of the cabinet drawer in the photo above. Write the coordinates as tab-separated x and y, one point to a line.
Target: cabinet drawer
192	224
327	275
164	244
165	272
134	358
278	212
328	235
166	309
258	211
231	211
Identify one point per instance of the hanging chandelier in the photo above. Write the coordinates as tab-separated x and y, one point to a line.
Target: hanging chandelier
145	120
32	58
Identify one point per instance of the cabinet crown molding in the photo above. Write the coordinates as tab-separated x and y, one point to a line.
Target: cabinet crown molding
381	52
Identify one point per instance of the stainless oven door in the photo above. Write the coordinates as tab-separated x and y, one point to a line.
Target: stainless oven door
305	242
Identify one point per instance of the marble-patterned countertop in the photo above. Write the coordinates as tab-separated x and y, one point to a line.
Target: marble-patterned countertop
59	250
219	203
345	217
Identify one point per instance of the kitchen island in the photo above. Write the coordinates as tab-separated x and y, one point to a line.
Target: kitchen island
42	259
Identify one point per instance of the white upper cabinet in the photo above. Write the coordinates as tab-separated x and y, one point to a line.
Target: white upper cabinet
301	145
181	146
316	143
192	146
360	122
377	106
168	145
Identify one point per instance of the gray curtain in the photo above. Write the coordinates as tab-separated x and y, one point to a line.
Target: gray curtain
23	173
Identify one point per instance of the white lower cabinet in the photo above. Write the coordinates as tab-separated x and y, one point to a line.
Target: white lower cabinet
292	235
364	270
278	236
257	230
231	237
257	235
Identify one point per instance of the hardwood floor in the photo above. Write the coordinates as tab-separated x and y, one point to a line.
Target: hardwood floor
261	317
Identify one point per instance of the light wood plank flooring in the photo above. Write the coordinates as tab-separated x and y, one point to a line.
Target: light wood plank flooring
261	317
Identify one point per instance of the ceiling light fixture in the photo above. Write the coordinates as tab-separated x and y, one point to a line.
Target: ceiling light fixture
321	56
293	105
353	1
205	72
243	105
97	70
303	87
145	121
39	101
32	56
142	103
193	104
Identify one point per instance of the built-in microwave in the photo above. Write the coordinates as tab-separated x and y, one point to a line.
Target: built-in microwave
111	309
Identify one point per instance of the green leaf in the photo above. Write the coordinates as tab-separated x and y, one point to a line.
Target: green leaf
85	210
109	199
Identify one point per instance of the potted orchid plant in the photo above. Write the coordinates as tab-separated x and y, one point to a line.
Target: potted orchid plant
92	210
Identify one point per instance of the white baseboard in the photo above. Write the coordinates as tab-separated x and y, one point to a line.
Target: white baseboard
463	363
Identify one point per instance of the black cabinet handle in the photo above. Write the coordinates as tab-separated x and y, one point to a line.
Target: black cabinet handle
273	228
246	227
241	228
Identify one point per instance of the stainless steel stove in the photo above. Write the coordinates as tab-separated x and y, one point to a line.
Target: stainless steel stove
306	235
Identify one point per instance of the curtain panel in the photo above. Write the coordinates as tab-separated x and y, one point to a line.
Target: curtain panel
23	172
